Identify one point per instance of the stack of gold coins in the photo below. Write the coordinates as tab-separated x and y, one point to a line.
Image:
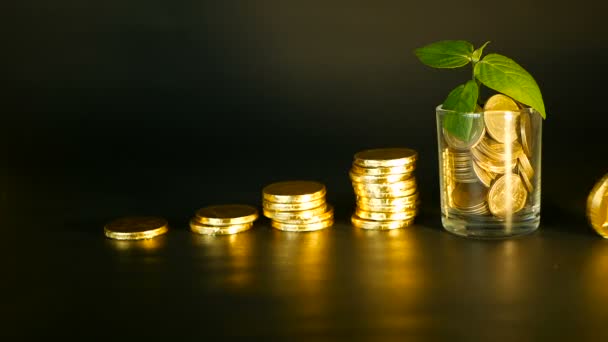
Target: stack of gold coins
136	228
223	219
597	207
478	174
384	182
297	206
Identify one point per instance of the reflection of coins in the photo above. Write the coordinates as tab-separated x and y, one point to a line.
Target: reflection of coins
229	214
206	229
293	206
597	207
499	124
507	195
385	157
379	225
525	131
136	228
296	217
294	192
307	227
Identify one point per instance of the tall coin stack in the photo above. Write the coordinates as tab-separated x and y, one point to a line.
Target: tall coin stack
385	186
492	173
223	219
297	206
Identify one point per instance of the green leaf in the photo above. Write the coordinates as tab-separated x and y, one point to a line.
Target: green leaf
463	99
477	53
505	76
446	54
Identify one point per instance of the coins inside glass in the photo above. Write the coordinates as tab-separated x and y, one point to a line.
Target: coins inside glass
597	207
500	115
205	229
385	157
228	214
478	130
294	192
136	228
525	128
306	227
507	195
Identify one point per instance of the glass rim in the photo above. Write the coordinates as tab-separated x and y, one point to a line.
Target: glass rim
439	110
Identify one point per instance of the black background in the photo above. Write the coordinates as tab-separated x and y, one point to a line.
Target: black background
115	108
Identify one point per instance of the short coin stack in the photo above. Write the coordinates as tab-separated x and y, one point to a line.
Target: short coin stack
384	182
492	173
223	219
297	206
136	228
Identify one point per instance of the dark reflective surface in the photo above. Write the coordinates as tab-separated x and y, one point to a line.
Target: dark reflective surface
420	283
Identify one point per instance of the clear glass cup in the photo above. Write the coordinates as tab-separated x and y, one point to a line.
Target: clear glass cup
490	172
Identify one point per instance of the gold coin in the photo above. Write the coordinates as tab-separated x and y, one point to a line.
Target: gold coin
386	216
395	201
381	171
361	192
525	131
384	187
597	207
136	228
484	176
358	178
525	166
379	225
527	181
468	195
273	206
204	229
387	208
500	114
507	195
294	192
296	215
225	215
385	157
478	131
307	227
295	219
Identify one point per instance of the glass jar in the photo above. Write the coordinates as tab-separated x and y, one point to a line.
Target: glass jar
489	172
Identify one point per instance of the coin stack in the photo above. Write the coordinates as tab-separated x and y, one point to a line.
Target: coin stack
597	207
385	186
297	206
223	219
136	228
491	173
